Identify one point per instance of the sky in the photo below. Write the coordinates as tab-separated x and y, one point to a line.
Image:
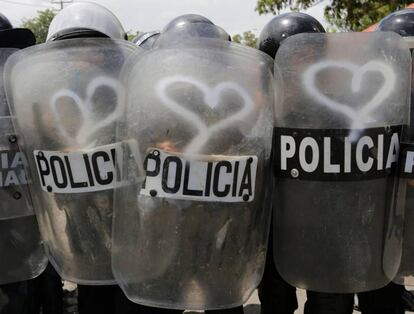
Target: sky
235	16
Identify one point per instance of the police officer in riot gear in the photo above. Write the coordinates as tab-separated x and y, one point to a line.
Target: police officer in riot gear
75	22
95	299
393	298
21	297
274	292
184	27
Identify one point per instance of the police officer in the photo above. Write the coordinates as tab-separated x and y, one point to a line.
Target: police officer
390	299
105	298
275	294
193	25
23	297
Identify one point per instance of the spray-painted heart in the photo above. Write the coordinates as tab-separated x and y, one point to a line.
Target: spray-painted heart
358	117
212	98
91	122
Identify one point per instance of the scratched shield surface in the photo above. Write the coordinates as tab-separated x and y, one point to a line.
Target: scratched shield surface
20	244
336	228
191	228
66	98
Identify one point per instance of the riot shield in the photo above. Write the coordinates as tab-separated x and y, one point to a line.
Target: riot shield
66	97
191	226
405	199
405	203
336	143
20	245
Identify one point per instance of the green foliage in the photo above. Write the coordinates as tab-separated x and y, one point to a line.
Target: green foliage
131	35
346	15
248	39
39	25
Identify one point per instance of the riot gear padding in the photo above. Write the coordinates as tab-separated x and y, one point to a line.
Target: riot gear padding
199	212
68	129
336	143
400	22
85	17
282	27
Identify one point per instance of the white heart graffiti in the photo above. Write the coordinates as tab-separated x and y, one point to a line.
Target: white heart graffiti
358	117
212	98
90	124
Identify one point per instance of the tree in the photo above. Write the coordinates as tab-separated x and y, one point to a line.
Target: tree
346	15
39	25
248	39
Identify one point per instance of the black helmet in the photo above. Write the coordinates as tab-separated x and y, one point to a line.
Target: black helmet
400	22
14	37
146	40
4	22
182	20
85	19
284	26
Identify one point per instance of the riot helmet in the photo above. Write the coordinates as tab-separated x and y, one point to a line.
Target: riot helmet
4	22
400	22
14	37
146	40
185	19
190	32
193	25
85	19
284	26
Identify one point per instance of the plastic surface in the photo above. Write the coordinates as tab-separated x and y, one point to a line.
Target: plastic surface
22	255
405	201
66	97
339	233
205	102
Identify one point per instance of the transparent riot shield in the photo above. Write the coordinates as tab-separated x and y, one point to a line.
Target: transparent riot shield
405	203
66	97
336	143
20	245
405	199
191	226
